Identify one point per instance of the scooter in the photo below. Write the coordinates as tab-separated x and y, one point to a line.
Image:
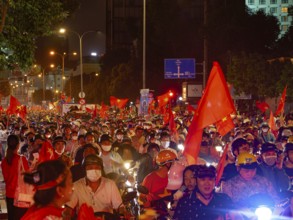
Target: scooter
130	201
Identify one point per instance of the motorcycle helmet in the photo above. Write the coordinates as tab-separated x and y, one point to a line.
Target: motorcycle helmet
246	160
268	146
166	156
92	159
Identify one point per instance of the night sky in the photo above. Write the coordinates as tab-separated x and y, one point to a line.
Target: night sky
89	17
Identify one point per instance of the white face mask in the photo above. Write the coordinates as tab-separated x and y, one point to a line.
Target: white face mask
59	153
270	160
74	138
119	136
165	144
265	130
93	175
106	147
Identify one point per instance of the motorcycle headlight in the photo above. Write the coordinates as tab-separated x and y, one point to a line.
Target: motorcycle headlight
127	165
219	148
180	147
263	213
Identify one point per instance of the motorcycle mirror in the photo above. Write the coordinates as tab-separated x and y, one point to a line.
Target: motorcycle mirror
142	189
129	196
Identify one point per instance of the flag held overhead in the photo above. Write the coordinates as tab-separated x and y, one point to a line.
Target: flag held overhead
215	105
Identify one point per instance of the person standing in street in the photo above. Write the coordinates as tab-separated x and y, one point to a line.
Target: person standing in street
10	171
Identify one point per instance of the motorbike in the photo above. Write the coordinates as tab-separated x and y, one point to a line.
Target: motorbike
129	193
131	202
259	207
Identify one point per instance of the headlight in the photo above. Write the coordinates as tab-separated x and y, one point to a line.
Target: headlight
180	146
219	148
263	213
127	165
127	183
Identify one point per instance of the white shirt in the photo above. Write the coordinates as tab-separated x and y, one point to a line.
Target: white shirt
112	162
105	199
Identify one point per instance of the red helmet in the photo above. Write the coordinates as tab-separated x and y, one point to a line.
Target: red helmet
166	156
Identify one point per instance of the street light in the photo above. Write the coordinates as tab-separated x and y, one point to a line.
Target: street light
42	74
144	45
80	37
62	57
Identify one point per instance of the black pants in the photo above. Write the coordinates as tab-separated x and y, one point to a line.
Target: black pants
14	213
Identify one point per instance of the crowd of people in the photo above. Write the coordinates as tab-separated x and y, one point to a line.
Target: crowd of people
85	161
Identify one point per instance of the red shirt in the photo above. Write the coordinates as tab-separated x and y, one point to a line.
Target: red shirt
156	185
41	213
10	173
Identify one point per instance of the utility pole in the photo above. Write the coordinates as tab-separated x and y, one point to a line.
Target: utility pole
205	43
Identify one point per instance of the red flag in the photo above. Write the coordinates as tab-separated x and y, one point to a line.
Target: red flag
225	125
87	213
272	125
163	99
221	165
14	104
281	105
192	142
172	125
215	104
68	99
190	108
103	110
119	103
22	112
151	106
262	106
94	115
47	152
88	110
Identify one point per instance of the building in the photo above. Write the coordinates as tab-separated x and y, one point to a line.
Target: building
278	8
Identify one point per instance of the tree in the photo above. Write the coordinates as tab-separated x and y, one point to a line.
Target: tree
232	27
254	74
22	22
124	81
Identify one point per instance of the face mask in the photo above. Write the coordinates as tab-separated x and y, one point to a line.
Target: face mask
270	160
48	136
93	175
106	147
59	153
74	138
165	144
265	130
119	136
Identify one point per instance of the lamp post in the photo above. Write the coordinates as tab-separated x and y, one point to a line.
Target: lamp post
144	45
80	37
62	57
42	74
